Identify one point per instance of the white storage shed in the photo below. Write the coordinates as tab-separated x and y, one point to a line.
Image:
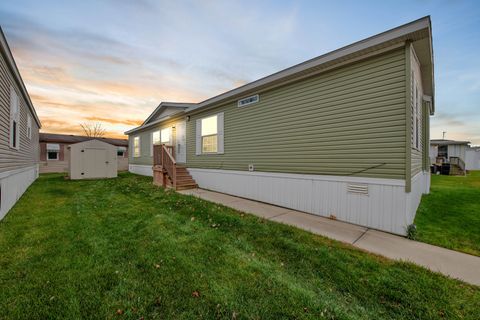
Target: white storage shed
92	159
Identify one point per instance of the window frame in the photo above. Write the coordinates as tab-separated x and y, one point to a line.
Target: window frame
134	147
14	132
202	136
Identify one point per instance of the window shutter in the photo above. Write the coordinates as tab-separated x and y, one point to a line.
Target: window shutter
220	135
198	137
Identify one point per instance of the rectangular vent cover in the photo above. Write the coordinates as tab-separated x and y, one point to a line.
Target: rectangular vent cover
248	100
358	189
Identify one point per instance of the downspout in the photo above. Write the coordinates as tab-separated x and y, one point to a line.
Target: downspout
408	117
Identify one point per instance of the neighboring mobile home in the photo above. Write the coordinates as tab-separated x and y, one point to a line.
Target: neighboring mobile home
441	150
55	155
344	135
19	127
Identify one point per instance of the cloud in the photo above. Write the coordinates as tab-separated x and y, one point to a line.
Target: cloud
127	122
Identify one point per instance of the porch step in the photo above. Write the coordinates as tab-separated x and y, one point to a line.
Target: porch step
184	179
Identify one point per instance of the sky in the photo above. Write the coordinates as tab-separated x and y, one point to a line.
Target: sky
114	61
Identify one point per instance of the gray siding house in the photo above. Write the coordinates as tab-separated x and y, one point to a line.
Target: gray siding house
343	135
19	125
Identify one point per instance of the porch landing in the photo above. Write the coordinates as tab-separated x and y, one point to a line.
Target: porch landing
448	262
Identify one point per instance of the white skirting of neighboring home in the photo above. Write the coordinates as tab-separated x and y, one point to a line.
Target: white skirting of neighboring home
376	203
141	169
13	184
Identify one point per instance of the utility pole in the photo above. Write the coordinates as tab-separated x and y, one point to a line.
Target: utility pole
444	132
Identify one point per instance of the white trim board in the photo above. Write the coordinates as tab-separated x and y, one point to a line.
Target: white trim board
382	204
16	171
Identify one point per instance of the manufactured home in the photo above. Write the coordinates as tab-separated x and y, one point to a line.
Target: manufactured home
344	135
19	127
55	153
449	153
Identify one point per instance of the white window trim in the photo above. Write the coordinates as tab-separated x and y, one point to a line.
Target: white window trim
220	135
14	118
139	147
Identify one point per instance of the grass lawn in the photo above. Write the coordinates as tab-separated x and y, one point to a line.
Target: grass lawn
450	215
124	249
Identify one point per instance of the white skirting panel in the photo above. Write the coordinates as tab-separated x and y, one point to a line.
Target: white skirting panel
144	170
384	207
420	185
13	184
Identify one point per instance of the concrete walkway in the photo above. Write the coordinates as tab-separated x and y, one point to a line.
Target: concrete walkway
452	263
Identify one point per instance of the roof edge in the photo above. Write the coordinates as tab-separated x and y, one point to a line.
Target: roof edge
402	30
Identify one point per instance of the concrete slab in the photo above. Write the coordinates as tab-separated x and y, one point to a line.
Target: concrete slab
453	263
337	230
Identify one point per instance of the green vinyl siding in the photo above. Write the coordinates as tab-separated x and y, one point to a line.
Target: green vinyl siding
145	142
348	121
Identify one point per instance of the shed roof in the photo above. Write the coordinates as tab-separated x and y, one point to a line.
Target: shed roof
69	139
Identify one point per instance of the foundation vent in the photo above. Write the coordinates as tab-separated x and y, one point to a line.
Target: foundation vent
358	189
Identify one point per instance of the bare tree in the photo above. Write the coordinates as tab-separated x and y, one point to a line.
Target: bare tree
93	130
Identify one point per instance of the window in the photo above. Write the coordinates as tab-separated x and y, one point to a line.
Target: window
136	147
29	127
165	135
247	101
14	120
155	140
209	134
121	151
53	151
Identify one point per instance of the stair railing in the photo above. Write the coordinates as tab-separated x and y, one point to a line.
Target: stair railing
169	164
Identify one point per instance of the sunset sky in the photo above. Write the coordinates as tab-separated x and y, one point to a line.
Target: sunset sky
114	61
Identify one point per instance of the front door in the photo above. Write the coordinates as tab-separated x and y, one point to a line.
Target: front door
181	142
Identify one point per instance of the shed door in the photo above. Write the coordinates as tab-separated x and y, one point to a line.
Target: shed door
95	163
181	144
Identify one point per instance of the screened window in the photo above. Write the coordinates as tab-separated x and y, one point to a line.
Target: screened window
209	134
14	120
29	127
136	147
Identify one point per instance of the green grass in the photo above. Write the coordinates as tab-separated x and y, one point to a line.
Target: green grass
87	249
450	215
